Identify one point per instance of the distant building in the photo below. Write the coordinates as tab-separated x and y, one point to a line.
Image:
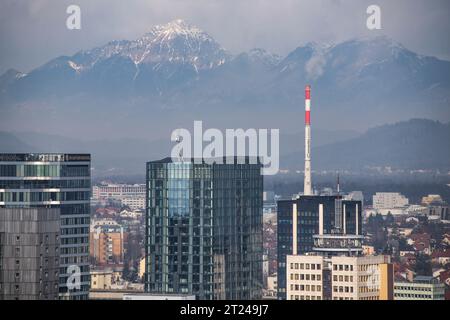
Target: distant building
422	288
106	245
355	196
317	277
368	250
272	286
102	279
440	212
152	296
389	200
269	196
132	196
432	199
141	271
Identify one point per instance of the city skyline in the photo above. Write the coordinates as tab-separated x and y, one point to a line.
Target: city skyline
234	152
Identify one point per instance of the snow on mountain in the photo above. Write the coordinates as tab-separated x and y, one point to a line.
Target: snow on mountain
178	66
175	42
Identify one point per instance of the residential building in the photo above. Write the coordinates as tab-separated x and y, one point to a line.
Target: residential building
106	245
204	228
54	181
389	200
132	196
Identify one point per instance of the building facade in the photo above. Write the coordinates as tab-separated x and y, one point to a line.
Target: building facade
29	253
204	229
317	277
389	200
55	181
300	219
106	245
132	196
421	288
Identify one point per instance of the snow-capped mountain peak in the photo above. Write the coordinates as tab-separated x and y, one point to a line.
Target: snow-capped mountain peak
175	42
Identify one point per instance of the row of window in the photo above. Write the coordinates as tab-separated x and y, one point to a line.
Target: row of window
307	277
342	267
44	196
45	184
305	266
342	278
412	288
346	289
305	297
413	296
306	287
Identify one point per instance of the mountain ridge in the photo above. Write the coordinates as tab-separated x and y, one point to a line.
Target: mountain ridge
177	73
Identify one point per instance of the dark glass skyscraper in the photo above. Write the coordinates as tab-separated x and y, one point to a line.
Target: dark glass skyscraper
306	223
204	229
52	181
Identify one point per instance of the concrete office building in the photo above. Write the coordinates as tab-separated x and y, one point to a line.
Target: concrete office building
29	253
54	181
204	229
421	288
318	277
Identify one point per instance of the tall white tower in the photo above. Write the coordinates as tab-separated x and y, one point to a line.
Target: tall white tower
307	189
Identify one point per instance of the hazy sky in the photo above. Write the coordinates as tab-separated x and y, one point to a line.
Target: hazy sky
34	31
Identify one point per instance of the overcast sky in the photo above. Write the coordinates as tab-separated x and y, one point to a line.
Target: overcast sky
34	31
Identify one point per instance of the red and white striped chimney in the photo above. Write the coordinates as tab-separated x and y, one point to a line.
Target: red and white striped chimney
307	190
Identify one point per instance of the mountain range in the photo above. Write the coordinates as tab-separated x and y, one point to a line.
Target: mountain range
177	73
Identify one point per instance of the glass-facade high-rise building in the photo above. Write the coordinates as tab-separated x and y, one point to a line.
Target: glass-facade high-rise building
204	229
52	181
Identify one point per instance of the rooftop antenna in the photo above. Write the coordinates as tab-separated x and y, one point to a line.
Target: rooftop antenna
338	184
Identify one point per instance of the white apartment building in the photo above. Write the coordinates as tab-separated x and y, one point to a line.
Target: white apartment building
389	200
130	195
315	277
